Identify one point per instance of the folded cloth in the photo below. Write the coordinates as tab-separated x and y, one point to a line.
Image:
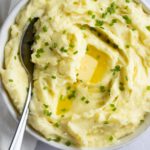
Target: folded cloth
7	123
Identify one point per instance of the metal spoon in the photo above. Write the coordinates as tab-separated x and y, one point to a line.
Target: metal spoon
25	57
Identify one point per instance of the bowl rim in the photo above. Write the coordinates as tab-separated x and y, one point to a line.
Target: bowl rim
4	34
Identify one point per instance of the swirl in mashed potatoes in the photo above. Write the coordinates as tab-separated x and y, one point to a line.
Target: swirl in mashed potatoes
92	69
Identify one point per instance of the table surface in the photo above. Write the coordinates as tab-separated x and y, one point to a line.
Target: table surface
140	143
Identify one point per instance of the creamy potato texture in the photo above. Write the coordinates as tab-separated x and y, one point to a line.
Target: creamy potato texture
92	69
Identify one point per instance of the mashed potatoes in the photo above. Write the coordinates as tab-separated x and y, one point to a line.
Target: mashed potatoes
92	69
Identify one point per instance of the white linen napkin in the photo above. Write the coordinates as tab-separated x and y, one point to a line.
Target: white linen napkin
7	123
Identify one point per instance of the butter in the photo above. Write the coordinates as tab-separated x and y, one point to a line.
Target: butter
103	64
87	68
63	106
93	66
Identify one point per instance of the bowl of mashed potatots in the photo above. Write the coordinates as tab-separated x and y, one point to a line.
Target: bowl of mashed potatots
91	71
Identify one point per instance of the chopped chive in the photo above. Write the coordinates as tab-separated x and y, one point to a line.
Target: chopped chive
76	52
68	88
47	113
111	138
148	28
46	43
110	10
148	87
127	19
126	78
93	16
45	29
63	50
57	125
116	69
37	37
55	45
121	86
45	88
90	12
127	46
45	105
72	94
64	31
102	89
71	46
113	107
68	143
57	139
83	27
46	66
10	80
128	1
53	77
87	101
99	23
83	98
113	22
106	122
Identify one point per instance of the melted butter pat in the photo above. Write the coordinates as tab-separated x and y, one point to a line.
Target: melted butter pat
63	106
87	68
94	66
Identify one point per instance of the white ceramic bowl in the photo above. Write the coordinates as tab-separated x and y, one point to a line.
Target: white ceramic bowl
3	39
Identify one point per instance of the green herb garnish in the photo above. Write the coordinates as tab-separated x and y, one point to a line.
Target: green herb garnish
90	12
72	94
10	80
148	88
148	28
106	122
87	102
126	78
37	37
46	43
46	66
45	29
47	112
128	1
83	98
127	46
121	86
116	69
127	19
102	88
53	77
63	50
76	52
68	143
113	22
99	23
39	52
45	88
57	139
110	10
113	107
111	138
45	105
57	125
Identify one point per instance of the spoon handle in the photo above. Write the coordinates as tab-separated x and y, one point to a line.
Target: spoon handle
18	137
